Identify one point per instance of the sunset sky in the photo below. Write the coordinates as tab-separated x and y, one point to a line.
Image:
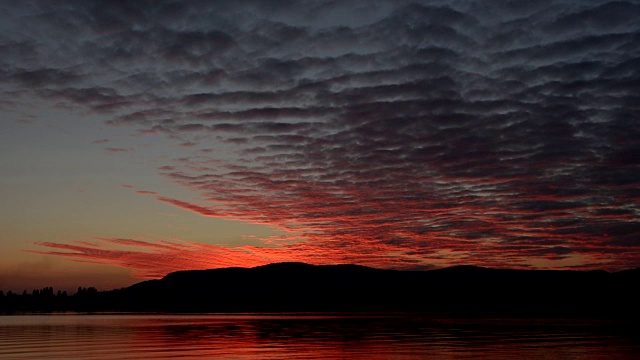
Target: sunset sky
143	137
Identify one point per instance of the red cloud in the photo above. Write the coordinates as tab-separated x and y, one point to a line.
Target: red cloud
154	259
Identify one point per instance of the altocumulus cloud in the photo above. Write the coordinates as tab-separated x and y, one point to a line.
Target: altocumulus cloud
409	133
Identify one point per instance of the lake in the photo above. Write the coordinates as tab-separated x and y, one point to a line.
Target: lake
311	336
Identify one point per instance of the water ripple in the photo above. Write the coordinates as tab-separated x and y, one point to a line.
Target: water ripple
309	336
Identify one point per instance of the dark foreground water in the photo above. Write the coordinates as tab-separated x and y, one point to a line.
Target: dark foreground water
309	336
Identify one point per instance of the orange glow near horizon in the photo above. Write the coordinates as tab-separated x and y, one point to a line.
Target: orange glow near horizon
390	237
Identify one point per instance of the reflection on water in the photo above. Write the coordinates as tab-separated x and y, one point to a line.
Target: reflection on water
308	336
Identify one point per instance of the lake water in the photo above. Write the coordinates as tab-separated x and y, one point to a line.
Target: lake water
310	336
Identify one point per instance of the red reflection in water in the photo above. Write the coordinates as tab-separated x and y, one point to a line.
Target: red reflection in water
309	336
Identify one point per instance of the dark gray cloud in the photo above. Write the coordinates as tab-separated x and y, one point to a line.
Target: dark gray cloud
496	132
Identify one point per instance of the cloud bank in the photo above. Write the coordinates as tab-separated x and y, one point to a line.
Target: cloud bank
410	133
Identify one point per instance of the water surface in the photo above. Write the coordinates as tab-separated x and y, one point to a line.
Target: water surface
310	336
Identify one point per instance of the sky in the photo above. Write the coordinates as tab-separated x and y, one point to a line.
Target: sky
139	138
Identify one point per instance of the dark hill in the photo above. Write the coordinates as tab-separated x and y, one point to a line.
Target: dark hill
464	290
299	287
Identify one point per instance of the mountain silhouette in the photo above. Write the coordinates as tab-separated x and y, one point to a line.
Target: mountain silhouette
454	290
300	287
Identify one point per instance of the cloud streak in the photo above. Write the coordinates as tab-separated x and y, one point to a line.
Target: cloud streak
154	259
415	133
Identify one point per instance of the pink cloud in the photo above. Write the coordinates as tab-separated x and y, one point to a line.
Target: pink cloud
118	150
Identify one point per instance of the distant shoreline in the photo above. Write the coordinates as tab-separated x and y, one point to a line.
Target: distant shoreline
296	288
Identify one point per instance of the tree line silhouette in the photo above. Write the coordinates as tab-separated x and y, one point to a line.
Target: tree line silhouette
47	300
